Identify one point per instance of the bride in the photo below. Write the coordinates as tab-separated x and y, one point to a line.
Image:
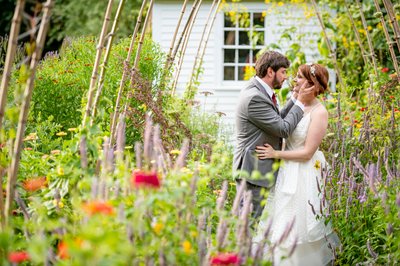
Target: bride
296	207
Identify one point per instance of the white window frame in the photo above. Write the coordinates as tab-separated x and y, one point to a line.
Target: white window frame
238	47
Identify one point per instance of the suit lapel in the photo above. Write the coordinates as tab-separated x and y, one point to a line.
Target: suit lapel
263	91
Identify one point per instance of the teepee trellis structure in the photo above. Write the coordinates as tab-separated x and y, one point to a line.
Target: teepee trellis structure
184	47
393	21
99	51
100	83
369	40
125	72
40	40
203	41
388	39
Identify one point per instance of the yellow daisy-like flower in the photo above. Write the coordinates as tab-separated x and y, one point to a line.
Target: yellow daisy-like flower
60	134
175	152
193	233
157	228
187	247
280	3
317	165
267	1
60	204
72	129
264	13
60	171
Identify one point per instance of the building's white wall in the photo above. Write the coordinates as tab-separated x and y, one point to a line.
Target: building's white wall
224	97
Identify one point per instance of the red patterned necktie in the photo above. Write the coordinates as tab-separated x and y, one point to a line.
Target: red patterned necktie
274	99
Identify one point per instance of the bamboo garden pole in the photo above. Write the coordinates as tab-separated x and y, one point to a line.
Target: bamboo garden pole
171	47
125	73
202	50
369	41
328	43
96	64
363	52
100	83
393	21
40	40
388	39
5	79
178	44
139	48
203	34
184	47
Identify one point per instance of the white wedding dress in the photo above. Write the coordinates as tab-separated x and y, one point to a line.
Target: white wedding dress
297	199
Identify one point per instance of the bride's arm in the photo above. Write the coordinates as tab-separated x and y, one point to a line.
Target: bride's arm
316	132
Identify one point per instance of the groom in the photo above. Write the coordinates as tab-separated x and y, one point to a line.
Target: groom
259	121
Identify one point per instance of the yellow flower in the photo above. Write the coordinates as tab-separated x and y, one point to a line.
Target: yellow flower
352	44
55	152
157	228
369	28
62	133
175	152
317	165
60	204
60	171
264	13
193	233
280	3
187	247
267	1
72	129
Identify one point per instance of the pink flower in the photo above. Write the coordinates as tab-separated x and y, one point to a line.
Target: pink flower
225	259
145	179
18	256
385	69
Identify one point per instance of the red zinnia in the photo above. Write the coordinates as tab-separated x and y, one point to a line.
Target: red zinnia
225	259
385	69
96	207
34	184
145	179
18	256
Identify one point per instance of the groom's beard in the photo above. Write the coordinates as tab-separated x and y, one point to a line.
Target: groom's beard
276	84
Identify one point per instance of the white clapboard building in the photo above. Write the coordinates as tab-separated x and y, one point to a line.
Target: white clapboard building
229	47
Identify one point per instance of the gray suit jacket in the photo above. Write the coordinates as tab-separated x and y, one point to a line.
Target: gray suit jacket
258	121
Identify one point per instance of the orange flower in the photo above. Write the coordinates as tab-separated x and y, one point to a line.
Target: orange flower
62	250
34	184
98	207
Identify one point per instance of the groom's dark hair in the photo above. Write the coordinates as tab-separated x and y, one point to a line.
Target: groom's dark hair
270	59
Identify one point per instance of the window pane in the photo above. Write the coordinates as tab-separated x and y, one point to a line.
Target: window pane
255	55
229	56
229	38
241	72
244	56
243	38
228	23
258	20
229	73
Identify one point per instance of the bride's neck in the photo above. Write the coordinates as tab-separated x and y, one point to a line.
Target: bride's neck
312	103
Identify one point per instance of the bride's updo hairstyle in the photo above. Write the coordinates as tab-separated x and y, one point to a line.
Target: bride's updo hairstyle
316	75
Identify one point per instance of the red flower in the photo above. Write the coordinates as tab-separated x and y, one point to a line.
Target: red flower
18	256
145	179
225	259
385	69
34	184
362	109
62	250
98	207
391	97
